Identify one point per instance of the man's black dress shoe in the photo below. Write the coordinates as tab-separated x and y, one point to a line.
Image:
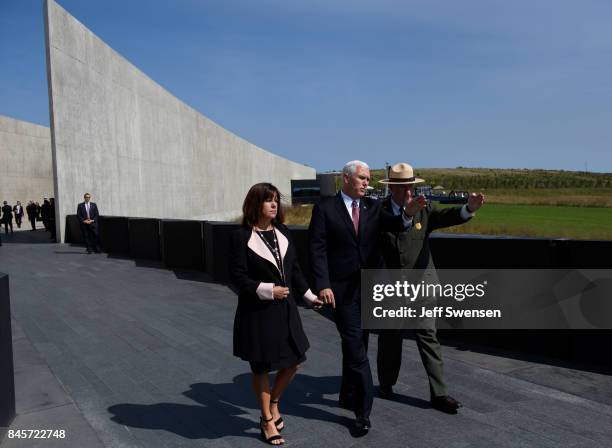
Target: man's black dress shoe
385	392
362	426
445	403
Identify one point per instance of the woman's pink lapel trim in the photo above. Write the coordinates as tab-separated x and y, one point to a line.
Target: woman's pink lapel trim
259	247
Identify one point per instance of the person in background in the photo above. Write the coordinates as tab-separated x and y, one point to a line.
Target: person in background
18	211
87	214
32	211
52	220
7	217
45	212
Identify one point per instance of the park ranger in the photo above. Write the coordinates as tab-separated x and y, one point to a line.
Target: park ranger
410	250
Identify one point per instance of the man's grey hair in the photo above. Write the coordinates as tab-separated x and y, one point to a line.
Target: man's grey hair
350	167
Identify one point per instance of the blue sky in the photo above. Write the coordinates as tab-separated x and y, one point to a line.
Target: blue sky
478	83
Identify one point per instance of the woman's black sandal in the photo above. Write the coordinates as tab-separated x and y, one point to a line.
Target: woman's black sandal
279	420
270	439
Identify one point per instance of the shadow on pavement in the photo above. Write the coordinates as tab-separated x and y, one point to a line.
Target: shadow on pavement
221	408
39	236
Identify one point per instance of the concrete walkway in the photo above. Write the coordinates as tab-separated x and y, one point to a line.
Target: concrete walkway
123	354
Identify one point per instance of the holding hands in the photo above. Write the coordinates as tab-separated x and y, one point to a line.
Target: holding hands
282	292
326	296
316	304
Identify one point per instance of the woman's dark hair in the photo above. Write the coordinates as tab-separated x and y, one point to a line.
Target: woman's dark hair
253	203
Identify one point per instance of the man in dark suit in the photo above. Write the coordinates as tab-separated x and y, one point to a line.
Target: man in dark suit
410	250
343	233
52	220
7	217
18	211
45	213
87	214
32	211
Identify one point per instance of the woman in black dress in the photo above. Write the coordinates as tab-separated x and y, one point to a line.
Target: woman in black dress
267	328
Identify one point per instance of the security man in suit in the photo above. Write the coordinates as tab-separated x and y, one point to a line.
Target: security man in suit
7	217
32	211
18	211
344	238
87	214
410	250
45	213
51	229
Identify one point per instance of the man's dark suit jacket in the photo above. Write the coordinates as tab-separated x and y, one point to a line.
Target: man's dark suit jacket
82	213
31	210
7	213
18	213
410	249
337	254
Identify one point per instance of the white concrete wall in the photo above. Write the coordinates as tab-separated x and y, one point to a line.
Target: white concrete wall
135	147
25	161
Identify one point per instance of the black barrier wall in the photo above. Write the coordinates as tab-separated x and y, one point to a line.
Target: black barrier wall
145	242
216	244
475	251
452	251
114	234
7	375
73	234
182	244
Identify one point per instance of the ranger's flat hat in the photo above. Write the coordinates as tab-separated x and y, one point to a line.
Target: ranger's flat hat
400	174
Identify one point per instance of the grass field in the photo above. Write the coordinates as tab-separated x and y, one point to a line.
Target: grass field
540	221
577	197
520	220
